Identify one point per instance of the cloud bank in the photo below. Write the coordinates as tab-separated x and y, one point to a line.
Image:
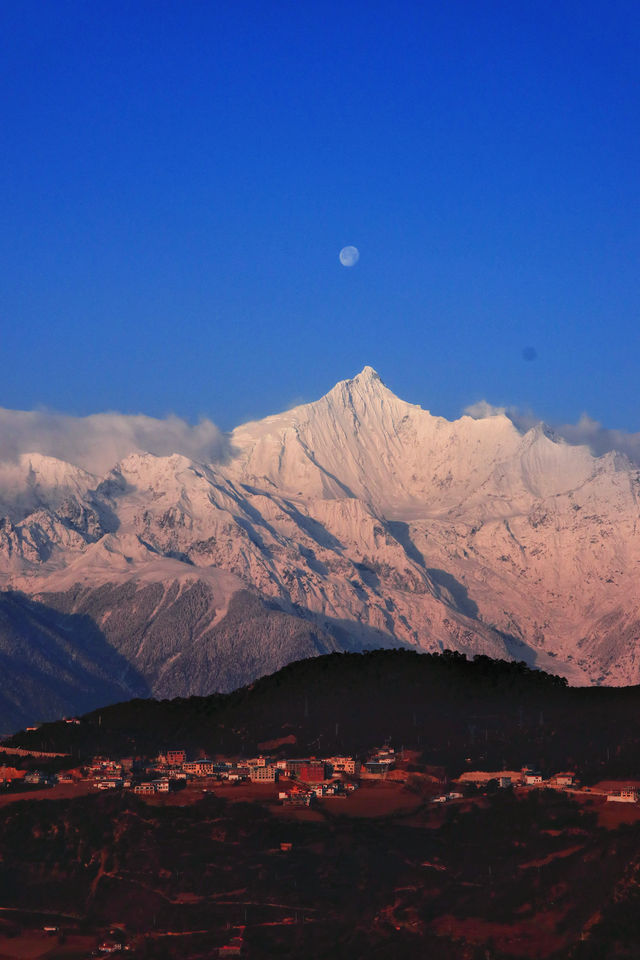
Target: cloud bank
600	439
483	409
587	431
97	442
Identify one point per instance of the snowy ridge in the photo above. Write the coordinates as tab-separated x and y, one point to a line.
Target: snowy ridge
365	518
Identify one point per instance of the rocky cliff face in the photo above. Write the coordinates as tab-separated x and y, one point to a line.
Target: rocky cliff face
356	521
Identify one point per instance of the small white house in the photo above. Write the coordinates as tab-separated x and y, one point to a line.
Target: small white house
533	779
628	795
564	779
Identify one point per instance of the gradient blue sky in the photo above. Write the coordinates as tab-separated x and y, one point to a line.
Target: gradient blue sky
177	179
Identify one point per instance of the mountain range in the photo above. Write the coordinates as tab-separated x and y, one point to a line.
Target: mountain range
357	521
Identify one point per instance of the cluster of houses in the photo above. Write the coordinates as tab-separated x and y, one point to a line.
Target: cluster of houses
313	776
445	797
169	771
34	778
529	777
304	794
380	762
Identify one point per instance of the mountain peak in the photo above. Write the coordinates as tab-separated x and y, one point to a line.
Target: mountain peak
368	374
368	382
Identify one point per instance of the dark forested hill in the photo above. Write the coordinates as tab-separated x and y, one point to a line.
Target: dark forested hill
456	711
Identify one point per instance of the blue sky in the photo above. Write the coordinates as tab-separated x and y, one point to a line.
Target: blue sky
177	180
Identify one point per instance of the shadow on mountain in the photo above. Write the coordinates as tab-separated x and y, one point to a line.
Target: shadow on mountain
369	576
56	664
400	531
313	528
318	566
254	536
451	590
447	587
107	517
350	636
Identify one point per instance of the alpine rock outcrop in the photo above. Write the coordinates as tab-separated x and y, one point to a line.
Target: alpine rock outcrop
353	522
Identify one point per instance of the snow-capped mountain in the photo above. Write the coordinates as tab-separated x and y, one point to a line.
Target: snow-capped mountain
356	521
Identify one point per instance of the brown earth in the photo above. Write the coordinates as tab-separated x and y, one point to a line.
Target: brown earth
62	791
532	938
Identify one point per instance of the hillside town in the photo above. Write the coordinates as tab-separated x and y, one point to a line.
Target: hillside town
297	781
303	779
381	783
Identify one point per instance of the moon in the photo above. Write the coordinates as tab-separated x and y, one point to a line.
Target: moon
349	256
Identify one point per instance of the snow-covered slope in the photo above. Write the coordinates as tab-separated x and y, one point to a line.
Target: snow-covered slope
358	520
35	481
361	441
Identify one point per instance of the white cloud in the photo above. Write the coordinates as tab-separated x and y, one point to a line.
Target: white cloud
587	431
601	439
98	441
483	409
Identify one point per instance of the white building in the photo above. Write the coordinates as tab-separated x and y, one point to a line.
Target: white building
627	795
259	762
533	779
263	774
344	765
563	780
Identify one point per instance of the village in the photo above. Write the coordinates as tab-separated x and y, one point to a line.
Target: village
296	782
302	780
387	782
